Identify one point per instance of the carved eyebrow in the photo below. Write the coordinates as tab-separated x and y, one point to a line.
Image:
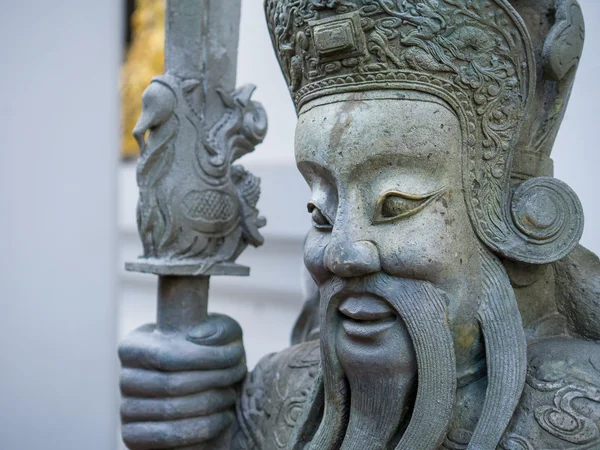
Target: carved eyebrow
413	196
410	196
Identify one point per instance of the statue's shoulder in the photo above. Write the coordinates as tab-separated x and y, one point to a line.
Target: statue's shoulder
274	394
578	292
560	405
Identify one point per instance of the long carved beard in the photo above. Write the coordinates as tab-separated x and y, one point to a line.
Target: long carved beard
378	402
422	307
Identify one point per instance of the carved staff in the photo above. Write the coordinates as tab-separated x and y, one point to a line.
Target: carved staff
196	211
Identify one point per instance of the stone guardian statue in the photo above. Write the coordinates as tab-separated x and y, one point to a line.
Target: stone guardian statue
454	308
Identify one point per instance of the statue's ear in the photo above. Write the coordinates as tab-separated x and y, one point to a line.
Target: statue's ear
548	221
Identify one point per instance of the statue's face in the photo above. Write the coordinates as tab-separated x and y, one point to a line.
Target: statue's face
385	174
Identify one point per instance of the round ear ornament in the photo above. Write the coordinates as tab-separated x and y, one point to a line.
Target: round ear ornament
548	220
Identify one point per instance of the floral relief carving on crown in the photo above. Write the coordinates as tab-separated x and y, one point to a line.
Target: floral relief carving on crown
475	54
472	43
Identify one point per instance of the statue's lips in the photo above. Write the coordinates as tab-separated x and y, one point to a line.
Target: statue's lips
365	308
366	316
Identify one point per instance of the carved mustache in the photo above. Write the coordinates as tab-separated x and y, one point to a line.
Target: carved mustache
379	284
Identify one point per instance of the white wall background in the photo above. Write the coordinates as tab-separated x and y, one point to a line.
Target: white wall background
59	272
58	159
576	152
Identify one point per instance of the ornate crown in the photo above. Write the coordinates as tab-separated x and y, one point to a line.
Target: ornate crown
477	56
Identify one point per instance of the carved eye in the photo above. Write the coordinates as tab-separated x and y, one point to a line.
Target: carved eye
319	220
395	205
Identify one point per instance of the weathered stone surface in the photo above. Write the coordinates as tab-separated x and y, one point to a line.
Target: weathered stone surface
450	304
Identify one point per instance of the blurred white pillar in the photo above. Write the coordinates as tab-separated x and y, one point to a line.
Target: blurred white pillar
58	152
576	156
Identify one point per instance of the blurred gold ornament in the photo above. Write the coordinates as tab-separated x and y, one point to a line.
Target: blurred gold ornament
145	59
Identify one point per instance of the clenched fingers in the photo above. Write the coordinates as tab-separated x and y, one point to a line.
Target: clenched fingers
152	410
178	433
147	383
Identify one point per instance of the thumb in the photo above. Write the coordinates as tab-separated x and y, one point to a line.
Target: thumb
217	329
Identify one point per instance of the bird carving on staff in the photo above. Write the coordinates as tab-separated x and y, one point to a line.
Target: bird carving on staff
205	210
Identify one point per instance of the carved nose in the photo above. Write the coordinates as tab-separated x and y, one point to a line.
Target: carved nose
352	259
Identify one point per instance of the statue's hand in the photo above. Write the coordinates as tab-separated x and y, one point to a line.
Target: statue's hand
178	390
